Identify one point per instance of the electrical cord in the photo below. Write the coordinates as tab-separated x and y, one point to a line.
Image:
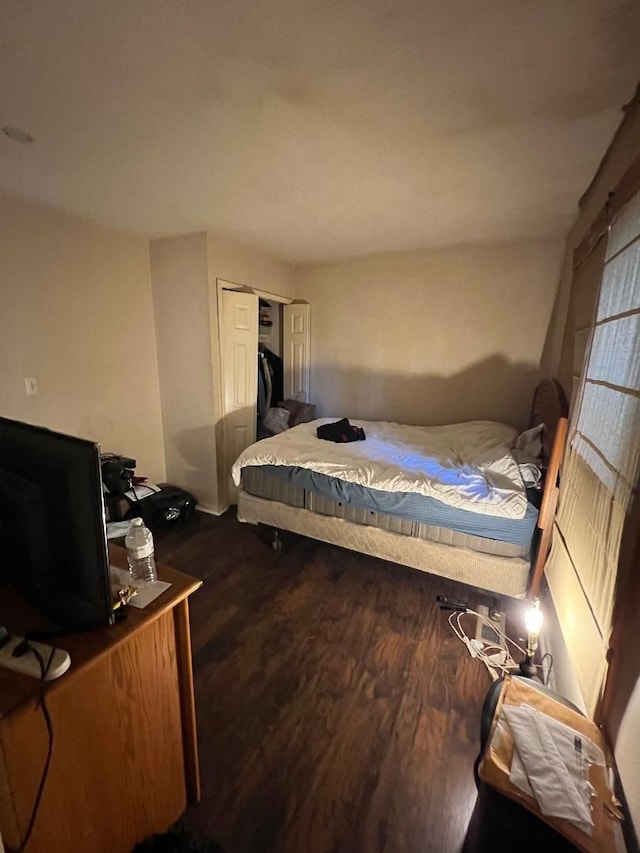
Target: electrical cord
478	649
493	626
42	704
486	621
546	678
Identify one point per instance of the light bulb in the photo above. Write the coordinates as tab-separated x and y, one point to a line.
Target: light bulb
534	618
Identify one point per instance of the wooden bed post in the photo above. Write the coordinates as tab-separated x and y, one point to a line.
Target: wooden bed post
549	506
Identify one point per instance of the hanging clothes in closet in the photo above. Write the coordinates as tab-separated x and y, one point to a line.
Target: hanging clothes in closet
270	386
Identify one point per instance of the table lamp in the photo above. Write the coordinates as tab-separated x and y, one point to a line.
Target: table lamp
533	619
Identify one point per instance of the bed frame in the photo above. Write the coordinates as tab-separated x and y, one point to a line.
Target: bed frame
514	577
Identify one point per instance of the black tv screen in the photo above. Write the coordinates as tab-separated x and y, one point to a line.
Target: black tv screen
52	525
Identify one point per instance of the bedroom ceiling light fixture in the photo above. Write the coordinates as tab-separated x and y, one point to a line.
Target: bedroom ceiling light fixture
533	620
16	134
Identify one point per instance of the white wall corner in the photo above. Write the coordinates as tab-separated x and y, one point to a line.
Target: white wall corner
562	678
210	509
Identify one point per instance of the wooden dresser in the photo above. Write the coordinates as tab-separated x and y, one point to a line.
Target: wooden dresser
125	757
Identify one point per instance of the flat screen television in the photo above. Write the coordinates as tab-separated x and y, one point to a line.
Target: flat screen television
53	544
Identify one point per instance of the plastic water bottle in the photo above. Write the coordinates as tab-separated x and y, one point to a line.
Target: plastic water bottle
139	542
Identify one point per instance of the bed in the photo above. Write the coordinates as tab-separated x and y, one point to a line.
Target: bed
457	501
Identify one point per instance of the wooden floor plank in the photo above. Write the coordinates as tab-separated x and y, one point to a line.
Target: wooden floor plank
336	710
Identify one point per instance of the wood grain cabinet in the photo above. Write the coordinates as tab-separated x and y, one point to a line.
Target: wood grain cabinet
125	760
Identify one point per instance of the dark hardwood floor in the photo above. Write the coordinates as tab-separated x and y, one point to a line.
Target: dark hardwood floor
336	710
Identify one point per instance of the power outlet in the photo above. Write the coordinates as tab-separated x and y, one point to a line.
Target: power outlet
31	386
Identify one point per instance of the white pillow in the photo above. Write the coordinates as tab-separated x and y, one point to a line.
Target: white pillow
529	471
530	441
276	420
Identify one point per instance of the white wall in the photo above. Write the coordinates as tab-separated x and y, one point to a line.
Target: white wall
628	755
76	314
431	337
181	310
184	272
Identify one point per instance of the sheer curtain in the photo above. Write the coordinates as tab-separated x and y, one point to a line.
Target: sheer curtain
602	461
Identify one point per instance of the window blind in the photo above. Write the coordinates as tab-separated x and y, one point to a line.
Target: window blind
602	461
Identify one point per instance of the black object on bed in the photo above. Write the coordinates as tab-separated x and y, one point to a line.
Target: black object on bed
341	431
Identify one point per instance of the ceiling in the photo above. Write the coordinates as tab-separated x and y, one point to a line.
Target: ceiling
315	130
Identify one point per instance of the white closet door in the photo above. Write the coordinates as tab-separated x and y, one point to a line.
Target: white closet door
296	351
239	350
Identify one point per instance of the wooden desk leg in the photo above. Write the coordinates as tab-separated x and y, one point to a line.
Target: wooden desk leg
187	701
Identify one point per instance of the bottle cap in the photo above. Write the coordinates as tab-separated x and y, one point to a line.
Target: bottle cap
137	522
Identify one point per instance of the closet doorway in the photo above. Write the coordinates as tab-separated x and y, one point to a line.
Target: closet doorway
249	319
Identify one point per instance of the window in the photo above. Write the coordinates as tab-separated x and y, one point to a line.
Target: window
602	462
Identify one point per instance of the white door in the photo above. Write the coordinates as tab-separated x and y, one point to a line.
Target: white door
296	351
239	355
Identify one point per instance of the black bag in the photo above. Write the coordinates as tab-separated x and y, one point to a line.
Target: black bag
117	473
171	505
166	508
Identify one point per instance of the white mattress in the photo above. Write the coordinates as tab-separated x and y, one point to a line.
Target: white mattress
467	466
258	483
